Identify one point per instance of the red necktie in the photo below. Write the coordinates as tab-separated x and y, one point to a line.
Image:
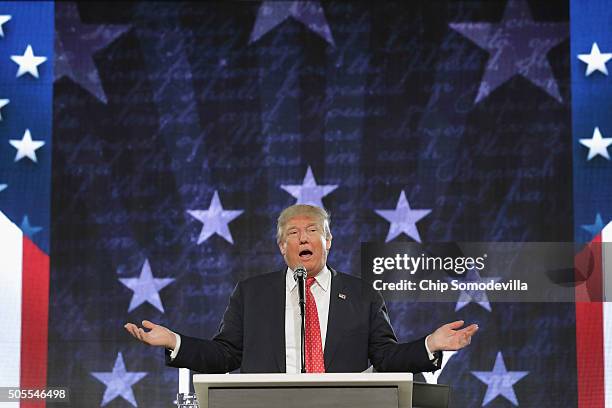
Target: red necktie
314	349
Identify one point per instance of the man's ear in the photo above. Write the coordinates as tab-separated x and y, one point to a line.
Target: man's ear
328	242
283	248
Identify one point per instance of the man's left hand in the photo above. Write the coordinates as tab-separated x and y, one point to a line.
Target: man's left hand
451	336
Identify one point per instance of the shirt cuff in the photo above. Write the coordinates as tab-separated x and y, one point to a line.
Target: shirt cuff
429	353
174	352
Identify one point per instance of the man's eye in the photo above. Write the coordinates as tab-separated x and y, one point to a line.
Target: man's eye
292	232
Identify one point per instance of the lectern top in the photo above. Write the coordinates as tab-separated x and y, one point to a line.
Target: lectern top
400	381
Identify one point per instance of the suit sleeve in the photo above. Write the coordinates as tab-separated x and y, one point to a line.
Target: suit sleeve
223	353
385	353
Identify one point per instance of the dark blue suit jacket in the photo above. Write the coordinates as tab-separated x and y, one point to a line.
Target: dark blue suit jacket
252	334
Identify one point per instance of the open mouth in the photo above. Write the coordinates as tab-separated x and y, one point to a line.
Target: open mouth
305	254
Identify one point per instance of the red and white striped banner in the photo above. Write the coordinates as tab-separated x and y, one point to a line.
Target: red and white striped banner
594	322
24	311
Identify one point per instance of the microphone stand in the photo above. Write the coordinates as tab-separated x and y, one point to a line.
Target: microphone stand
300	276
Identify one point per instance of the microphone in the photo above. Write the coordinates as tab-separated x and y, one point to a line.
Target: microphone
299	274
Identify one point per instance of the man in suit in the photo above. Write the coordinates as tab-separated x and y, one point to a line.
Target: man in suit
347	326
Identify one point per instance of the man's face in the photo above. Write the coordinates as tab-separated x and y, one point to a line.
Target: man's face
304	243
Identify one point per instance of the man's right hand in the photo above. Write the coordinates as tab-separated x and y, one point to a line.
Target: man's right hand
156	336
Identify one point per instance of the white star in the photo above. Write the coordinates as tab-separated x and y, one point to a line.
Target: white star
597	145
500	381
596	61
215	220
28	62
474	295
403	219
3	103
3	19
146	288
119	382
26	147
3	186
309	192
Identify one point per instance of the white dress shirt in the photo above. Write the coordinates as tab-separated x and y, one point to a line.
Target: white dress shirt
320	290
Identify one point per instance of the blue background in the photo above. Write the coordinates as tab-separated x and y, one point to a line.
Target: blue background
194	107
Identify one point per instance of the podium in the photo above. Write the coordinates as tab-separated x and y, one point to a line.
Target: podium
330	390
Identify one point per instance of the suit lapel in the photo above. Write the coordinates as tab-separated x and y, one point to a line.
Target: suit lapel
335	318
278	321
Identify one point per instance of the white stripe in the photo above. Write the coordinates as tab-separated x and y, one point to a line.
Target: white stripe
606	237
11	248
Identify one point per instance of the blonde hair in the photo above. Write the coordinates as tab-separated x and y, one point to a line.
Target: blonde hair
302	209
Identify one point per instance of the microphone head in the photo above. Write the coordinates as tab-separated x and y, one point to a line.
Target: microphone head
299	272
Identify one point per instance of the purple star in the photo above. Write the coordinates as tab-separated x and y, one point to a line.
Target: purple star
146	288
500	381
477	296
517	45
119	382
309	192
75	44
215	220
309	13
403	219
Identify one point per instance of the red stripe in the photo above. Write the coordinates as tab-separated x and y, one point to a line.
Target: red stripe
34	319
589	328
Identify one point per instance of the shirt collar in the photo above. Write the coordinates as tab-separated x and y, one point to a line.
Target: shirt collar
323	279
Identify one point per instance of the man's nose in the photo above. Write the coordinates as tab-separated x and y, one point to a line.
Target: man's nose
303	237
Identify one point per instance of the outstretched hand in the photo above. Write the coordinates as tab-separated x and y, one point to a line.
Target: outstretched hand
451	336
156	336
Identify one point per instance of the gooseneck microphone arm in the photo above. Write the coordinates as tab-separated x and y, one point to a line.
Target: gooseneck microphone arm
299	274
